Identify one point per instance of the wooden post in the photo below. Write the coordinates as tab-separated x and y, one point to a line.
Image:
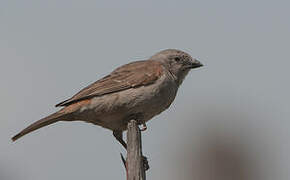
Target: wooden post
135	167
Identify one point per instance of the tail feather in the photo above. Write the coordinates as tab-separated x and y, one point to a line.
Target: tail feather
39	124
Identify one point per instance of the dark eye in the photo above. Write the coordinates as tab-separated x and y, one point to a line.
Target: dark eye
177	59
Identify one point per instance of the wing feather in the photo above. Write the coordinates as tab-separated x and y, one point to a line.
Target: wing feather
132	75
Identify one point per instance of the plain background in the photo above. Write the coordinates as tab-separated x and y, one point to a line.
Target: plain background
230	119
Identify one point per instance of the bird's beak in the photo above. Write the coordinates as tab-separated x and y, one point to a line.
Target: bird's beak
195	64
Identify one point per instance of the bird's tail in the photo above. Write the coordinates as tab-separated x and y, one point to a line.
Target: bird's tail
39	124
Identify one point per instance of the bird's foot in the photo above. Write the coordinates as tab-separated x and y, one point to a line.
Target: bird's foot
145	163
144	127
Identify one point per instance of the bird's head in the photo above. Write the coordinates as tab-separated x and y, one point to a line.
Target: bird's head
177	62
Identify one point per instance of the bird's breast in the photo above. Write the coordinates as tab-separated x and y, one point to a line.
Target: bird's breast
154	99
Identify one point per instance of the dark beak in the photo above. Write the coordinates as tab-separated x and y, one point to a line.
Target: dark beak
196	64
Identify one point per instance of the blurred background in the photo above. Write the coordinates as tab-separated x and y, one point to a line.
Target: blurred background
230	119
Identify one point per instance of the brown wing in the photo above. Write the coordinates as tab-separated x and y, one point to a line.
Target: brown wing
132	75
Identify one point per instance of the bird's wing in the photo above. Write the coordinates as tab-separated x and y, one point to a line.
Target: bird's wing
132	75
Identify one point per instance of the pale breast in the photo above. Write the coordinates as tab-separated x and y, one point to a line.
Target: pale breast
150	100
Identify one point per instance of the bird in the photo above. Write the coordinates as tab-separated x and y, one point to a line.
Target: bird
138	90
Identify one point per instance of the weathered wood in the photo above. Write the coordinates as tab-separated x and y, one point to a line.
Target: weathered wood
134	163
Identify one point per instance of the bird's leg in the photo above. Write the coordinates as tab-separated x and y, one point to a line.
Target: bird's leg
119	136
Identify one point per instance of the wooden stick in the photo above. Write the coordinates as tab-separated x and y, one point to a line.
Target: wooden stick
134	163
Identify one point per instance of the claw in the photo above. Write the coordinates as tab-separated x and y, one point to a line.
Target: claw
145	163
144	127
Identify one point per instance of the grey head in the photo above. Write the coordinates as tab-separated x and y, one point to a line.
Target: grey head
177	62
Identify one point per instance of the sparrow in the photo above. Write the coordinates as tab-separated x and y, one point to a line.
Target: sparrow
139	90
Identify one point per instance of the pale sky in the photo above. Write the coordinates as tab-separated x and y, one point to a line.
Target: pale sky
237	104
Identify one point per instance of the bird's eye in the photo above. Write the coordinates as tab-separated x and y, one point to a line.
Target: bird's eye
177	59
